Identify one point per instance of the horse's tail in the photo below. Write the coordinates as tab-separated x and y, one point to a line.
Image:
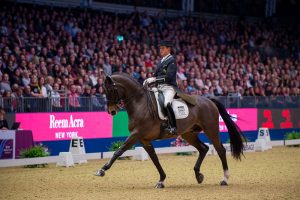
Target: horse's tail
235	133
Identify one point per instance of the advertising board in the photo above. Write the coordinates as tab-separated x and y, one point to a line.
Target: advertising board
63	126
245	118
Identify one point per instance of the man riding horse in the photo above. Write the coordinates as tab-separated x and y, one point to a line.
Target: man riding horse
165	77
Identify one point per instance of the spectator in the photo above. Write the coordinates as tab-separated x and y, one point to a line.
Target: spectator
191	87
205	92
5	84
55	98
7	102
102	98
73	98
3	121
49	84
95	103
28	99
199	82
16	77
86	98
2	67
43	87
107	66
142	77
35	88
9	70
17	96
25	78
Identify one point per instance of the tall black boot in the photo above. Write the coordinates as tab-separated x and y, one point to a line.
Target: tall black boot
172	119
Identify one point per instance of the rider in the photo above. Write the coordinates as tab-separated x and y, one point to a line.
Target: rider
165	77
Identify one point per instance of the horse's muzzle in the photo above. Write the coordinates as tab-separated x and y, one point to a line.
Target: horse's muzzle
113	113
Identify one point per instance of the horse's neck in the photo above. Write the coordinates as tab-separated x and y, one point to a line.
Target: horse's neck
138	100
143	104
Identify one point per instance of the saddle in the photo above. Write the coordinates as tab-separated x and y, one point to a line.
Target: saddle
179	104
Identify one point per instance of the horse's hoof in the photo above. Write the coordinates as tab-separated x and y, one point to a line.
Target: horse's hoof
100	172
223	183
199	177
160	185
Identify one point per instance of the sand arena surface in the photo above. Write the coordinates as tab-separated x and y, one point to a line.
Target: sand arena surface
274	174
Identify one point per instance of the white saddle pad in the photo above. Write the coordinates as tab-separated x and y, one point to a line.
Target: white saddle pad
180	108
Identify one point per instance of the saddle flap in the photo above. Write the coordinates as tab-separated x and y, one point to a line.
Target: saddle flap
179	106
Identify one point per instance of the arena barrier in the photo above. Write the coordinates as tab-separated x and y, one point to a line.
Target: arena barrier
137	154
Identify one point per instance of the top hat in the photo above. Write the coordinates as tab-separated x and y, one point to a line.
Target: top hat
166	43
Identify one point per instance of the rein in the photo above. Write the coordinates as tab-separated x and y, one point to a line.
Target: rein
128	99
150	103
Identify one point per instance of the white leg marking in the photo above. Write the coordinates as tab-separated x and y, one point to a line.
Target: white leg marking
226	176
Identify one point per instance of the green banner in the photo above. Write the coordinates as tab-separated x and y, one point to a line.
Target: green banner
120	125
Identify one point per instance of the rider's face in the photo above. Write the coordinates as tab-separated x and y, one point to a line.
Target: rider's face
163	50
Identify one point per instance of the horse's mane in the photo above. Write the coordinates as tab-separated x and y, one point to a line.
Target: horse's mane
121	74
150	101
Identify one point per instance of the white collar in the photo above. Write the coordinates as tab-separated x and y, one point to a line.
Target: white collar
164	58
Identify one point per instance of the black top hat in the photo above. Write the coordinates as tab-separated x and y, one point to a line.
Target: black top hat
166	43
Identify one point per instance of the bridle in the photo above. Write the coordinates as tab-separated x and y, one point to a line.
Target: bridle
114	97
112	94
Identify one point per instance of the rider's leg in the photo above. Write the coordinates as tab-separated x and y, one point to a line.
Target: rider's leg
172	120
169	94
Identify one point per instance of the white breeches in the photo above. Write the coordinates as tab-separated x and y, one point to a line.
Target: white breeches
168	92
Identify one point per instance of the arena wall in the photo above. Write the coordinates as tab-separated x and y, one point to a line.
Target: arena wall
99	129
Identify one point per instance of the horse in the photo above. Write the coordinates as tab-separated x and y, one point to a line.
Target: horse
124	91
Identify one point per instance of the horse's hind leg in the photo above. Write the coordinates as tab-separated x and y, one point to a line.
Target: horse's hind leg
215	139
192	139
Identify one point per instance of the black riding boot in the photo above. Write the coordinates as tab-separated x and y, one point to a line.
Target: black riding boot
172	121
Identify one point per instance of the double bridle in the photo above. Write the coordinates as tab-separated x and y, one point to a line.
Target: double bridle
112	93
114	97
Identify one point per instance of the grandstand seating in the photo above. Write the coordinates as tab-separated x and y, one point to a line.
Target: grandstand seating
244	63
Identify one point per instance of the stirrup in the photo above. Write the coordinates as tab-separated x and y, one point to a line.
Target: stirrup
172	130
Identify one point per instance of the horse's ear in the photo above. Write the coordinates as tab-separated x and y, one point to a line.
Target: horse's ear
108	79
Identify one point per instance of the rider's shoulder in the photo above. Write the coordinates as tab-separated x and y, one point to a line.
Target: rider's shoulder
171	60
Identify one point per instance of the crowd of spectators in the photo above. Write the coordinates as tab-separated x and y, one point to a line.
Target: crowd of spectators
55	53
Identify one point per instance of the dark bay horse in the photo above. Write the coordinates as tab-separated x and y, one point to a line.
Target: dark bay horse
144	127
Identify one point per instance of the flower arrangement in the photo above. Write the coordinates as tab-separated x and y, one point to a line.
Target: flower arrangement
38	150
292	136
116	145
179	142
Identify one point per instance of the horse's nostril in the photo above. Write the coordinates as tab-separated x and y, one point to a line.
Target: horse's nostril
113	112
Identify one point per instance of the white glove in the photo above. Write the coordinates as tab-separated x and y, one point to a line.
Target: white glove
149	80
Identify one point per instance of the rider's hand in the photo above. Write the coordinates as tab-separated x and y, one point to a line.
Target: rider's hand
149	80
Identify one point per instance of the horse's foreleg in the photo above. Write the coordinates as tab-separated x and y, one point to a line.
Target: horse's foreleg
131	140
150	150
